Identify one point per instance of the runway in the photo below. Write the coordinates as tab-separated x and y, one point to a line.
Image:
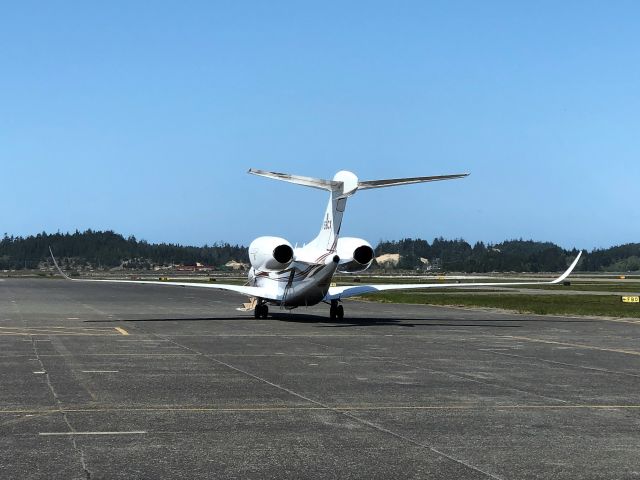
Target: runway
106	381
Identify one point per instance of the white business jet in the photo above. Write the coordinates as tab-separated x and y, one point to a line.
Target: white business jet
291	277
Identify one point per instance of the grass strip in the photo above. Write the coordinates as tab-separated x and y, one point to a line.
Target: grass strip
592	305
593	287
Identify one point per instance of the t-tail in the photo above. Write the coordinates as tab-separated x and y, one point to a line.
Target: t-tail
343	185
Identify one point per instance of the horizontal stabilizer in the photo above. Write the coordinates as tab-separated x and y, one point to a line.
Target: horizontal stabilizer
392	182
300	180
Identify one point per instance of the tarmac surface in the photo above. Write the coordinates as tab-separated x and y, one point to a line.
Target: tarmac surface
102	381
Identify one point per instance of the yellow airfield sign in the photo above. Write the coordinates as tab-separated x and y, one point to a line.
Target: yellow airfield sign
631	299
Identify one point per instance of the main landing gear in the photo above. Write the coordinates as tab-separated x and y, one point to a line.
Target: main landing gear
261	311
336	310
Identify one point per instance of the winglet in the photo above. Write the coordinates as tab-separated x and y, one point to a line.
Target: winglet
569	270
55	262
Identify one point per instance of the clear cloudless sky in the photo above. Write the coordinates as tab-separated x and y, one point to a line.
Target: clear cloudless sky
143	117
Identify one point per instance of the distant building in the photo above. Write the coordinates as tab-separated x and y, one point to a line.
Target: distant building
198	267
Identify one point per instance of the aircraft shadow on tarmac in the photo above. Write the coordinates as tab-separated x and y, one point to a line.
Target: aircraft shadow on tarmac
324	322
319	320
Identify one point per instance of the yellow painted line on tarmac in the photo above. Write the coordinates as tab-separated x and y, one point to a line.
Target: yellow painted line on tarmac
116	354
26	418
340	408
34	334
489	407
56	331
576	345
81	354
122	331
29	411
70	329
54	434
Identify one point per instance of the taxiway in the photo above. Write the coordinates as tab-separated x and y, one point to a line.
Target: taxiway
106	381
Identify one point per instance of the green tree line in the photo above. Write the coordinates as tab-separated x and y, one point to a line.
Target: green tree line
108	249
511	255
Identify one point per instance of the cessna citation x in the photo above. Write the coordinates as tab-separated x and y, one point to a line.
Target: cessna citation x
291	277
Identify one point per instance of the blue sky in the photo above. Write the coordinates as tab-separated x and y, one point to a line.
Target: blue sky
143	118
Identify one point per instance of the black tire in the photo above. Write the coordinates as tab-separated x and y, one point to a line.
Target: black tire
257	311
340	312
265	311
332	312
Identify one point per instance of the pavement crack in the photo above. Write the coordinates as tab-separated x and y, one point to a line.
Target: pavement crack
338	411
60	408
563	364
472	379
452	375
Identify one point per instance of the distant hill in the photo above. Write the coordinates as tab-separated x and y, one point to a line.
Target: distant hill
97	249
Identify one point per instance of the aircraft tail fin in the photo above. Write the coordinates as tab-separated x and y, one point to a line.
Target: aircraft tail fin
334	185
343	185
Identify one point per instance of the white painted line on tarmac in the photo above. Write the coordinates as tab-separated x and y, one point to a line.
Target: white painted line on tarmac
133	432
100	371
40	372
141	341
73	318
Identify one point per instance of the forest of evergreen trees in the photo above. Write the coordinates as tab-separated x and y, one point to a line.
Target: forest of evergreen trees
109	249
509	256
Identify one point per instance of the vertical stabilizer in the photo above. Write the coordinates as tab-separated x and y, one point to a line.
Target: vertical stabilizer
346	185
327	238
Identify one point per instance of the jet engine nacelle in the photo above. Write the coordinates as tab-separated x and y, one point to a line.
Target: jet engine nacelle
355	255
270	254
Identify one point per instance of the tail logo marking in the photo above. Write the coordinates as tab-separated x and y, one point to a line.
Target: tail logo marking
327	223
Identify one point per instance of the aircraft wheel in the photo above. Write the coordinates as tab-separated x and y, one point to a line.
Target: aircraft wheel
340	312
261	311
333	312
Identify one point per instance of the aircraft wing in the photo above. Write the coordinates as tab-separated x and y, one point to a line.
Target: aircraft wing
259	292
337	293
